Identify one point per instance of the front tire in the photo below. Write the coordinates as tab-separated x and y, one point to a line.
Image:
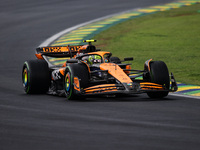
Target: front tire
35	77
75	70
159	74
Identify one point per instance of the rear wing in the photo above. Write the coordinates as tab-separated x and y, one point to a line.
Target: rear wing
65	51
59	51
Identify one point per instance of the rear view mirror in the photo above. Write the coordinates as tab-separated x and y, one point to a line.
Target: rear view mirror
128	59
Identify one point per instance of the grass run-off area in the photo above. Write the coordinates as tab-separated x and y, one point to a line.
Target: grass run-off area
172	36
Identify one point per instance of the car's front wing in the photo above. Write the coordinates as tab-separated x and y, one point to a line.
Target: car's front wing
134	88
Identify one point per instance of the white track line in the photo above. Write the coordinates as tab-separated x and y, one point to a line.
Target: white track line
48	41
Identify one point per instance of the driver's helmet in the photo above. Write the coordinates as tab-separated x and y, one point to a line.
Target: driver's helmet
92	59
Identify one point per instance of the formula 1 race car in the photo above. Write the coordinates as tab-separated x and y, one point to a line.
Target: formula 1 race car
87	71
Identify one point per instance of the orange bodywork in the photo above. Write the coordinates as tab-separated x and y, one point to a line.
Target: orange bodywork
62	71
101	53
82	48
65	64
39	56
128	67
149	64
116	72
76	84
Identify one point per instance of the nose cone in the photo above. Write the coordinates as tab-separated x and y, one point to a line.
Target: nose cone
116	71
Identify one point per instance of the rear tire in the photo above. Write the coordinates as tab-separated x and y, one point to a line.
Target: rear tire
36	77
159	74
75	70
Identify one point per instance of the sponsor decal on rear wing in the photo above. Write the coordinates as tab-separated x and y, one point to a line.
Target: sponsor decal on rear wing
58	51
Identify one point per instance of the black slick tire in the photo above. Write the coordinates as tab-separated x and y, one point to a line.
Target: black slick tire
159	74
75	70
35	77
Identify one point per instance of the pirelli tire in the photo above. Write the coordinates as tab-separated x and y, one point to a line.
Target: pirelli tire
159	74
36	77
80	71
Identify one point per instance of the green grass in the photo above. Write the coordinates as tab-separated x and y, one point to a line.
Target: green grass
171	36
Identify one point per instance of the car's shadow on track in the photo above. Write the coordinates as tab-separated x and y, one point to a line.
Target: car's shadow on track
126	98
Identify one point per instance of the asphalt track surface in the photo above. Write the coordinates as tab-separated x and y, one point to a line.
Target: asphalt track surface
40	122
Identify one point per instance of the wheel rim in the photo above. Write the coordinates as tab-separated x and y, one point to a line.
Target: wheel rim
25	78
67	83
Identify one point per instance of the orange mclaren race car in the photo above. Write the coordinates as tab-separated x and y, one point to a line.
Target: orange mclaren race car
87	71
